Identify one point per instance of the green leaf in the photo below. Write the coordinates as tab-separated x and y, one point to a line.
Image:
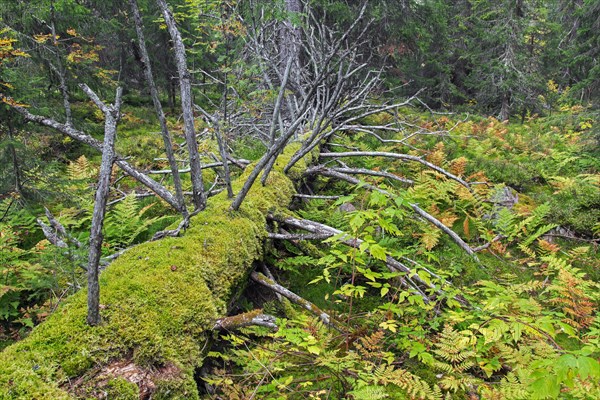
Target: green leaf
517	330
377	199
588	367
363	246
357	221
568	329
417	348
425	276
545	387
378	252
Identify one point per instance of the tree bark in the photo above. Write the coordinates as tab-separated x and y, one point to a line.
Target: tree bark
291	43
15	159
145	61
185	86
111	119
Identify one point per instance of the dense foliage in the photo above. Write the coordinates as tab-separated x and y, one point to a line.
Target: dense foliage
503	128
529	326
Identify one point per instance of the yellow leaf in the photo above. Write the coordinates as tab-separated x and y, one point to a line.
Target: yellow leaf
430	239
41	39
448	219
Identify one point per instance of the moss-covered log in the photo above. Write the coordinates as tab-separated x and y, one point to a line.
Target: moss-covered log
159	300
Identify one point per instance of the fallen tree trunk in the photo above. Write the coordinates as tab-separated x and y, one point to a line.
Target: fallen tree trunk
159	303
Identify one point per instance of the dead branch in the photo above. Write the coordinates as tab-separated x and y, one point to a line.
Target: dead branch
56	232
294	298
51	235
82	137
199	197
297	236
240	163
488	244
312	196
168	143
405	157
322	170
322	229
365	171
322	95
111	119
254	317
438	224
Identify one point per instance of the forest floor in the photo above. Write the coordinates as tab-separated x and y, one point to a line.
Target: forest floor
516	319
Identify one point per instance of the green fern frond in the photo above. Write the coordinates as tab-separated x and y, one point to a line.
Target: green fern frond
369	393
411	384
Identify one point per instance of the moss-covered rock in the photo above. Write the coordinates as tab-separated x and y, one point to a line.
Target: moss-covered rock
158	303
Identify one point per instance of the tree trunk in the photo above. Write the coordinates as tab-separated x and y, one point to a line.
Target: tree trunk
111	119
145	60
185	86
15	159
291	43
505	109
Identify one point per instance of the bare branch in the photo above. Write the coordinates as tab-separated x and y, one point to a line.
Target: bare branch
364	171
430	218
311	196
488	244
293	236
392	264
255	317
60	229
438	224
240	163
80	136
294	298
168	143
51	235
405	157
199	197
111	119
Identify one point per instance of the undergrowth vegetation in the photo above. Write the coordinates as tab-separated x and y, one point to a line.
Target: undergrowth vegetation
518	321
35	275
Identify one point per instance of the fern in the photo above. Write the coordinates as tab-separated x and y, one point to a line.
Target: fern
570	291
125	223
369	393
410	383
510	388
506	223
454	347
80	169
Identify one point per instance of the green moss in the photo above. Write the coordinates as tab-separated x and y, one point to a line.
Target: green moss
176	389
158	301
122	389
